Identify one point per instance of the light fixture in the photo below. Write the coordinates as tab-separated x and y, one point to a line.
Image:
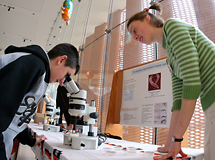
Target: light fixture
9	7
24	39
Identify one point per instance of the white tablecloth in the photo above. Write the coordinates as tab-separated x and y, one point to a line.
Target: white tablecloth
104	152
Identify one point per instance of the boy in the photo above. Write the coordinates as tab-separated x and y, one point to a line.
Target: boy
25	73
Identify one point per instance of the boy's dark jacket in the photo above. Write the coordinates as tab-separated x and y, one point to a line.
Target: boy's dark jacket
24	77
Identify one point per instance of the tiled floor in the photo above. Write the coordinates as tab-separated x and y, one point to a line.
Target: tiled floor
25	153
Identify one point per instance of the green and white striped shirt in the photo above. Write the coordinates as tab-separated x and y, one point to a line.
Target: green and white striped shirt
191	56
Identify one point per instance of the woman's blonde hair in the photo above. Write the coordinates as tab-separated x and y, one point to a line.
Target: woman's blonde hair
155	20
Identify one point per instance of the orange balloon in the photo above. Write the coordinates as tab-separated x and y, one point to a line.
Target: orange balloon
90	74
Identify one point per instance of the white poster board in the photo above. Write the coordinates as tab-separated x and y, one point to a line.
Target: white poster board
147	95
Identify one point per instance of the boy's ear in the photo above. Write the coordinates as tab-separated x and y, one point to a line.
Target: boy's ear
61	59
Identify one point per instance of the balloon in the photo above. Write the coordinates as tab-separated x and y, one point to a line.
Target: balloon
66	10
90	74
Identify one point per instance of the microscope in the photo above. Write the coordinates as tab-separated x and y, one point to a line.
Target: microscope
53	114
79	108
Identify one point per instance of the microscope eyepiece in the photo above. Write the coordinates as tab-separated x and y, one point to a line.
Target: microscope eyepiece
67	79
70	85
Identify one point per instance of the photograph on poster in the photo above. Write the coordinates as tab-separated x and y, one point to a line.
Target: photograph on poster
160	113
154	82
129	90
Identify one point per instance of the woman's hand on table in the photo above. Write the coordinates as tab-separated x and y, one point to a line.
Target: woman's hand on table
173	152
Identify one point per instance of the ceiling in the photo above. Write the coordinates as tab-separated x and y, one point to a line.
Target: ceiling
25	22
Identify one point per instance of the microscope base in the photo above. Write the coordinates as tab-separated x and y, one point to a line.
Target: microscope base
85	129
81	142
51	128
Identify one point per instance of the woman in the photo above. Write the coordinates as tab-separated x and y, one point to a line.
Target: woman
191	61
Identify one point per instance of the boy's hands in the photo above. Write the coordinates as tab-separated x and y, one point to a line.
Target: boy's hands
70	127
61	126
39	139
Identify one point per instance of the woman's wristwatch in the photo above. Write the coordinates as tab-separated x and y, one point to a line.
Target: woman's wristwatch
176	139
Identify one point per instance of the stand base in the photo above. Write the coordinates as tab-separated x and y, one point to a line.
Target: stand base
51	128
85	129
81	142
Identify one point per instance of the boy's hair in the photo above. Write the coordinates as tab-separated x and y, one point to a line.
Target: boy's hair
155	20
70	51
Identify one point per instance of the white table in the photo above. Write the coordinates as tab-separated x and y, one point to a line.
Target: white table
104	152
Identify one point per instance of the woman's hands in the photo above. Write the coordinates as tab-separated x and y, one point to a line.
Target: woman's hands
172	152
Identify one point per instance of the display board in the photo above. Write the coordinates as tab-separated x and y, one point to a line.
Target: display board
147	95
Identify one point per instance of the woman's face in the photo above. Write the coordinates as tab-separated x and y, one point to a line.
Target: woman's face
141	31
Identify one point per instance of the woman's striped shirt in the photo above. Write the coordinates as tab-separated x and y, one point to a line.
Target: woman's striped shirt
191	56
